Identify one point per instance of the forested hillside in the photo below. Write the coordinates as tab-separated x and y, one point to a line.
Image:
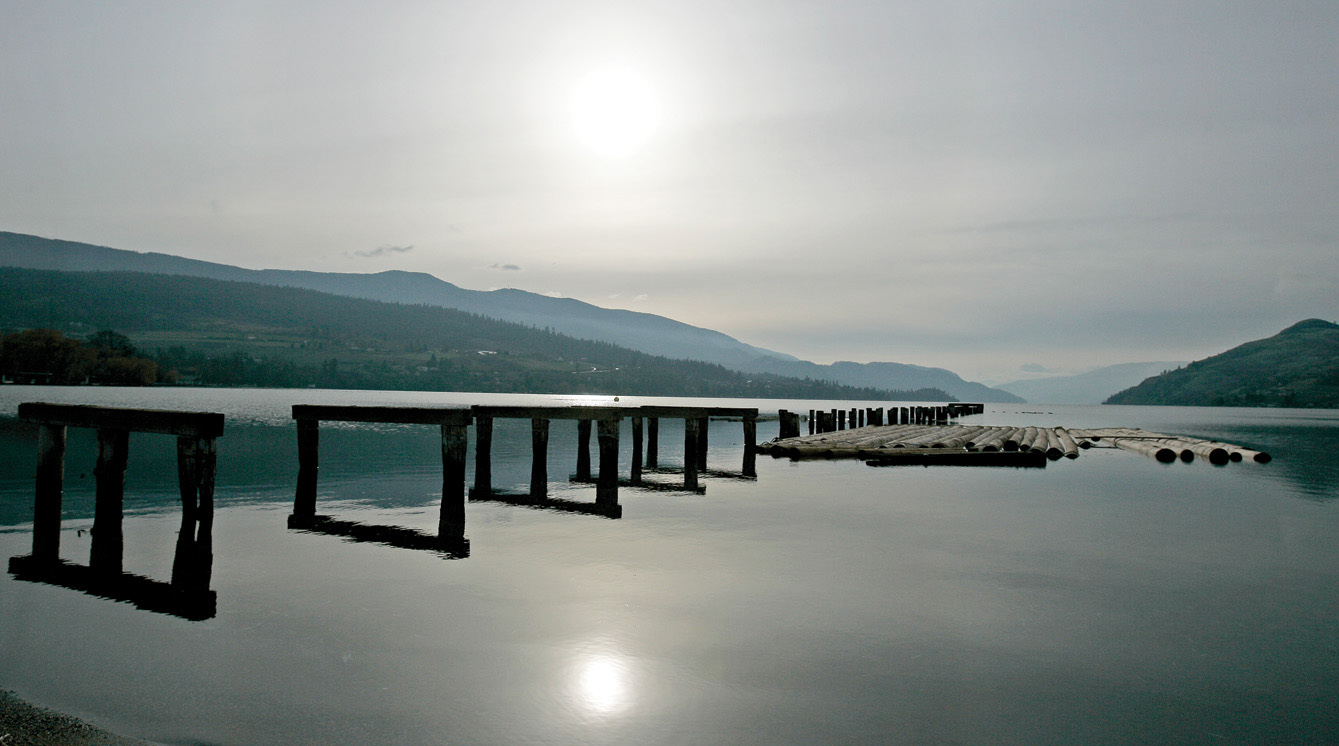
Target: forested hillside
1298	367
217	332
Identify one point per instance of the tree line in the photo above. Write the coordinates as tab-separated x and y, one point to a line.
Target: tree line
48	356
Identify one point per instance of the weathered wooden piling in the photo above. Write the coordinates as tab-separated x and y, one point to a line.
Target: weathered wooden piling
452	422
583	450
652	442
636	474
539	458
703	426
483	456
110	473
540	418
50	488
696	422
197	462
606	488
195	431
690	426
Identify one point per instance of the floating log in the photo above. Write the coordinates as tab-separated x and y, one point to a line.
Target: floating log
1146	448
874	442
1067	443
1052	444
1213	454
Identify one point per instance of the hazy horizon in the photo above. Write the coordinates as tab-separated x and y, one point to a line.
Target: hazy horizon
1003	191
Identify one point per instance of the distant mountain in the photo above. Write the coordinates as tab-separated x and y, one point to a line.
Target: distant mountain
1298	367
655	335
863	374
1092	387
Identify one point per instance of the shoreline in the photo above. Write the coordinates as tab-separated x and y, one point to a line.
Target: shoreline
25	724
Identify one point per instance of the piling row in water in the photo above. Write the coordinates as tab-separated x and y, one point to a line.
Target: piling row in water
835	420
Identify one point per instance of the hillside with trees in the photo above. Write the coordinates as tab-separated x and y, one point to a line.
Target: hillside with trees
1298	367
221	333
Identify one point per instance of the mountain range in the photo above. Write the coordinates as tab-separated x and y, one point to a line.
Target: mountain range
643	332
1091	387
1298	367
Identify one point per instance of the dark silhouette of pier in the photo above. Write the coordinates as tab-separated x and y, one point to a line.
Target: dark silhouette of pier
187	594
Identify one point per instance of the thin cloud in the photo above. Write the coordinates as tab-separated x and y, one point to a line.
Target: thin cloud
383	251
505	267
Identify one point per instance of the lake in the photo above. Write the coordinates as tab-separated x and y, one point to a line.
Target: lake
1108	600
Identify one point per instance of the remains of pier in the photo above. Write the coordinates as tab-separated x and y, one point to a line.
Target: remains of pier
454	421
188	592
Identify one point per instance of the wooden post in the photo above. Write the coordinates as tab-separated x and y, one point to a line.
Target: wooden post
652	441
196	465
751	443
606	489
309	439
861	413
50	486
110	471
583	450
703	425
483	456
204	516
841	419
690	453
539	465
451	520
636	477
811	423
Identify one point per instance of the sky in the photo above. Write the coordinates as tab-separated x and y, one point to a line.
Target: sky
1004	189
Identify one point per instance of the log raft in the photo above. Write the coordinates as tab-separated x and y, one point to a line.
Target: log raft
994	445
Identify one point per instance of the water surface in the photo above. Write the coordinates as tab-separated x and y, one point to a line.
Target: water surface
1111	599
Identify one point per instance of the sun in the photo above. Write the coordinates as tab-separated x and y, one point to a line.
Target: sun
614	112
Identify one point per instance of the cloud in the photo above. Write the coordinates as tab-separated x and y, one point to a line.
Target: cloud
505	267
1033	368
383	251
554	294
640	298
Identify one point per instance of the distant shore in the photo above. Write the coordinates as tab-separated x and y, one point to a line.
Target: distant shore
25	724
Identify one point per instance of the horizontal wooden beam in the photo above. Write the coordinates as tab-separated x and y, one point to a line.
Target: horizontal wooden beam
671	412
195	424
554	413
397	415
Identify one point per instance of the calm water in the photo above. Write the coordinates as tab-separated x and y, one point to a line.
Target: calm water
1107	600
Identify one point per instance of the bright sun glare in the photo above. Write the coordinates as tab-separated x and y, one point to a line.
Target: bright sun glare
601	686
614	112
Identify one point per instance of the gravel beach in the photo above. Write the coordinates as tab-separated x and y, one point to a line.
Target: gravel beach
24	724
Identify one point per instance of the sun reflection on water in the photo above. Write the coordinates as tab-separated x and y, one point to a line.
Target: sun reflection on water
602	684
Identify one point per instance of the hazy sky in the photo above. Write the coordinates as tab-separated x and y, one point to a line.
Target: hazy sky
975	185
